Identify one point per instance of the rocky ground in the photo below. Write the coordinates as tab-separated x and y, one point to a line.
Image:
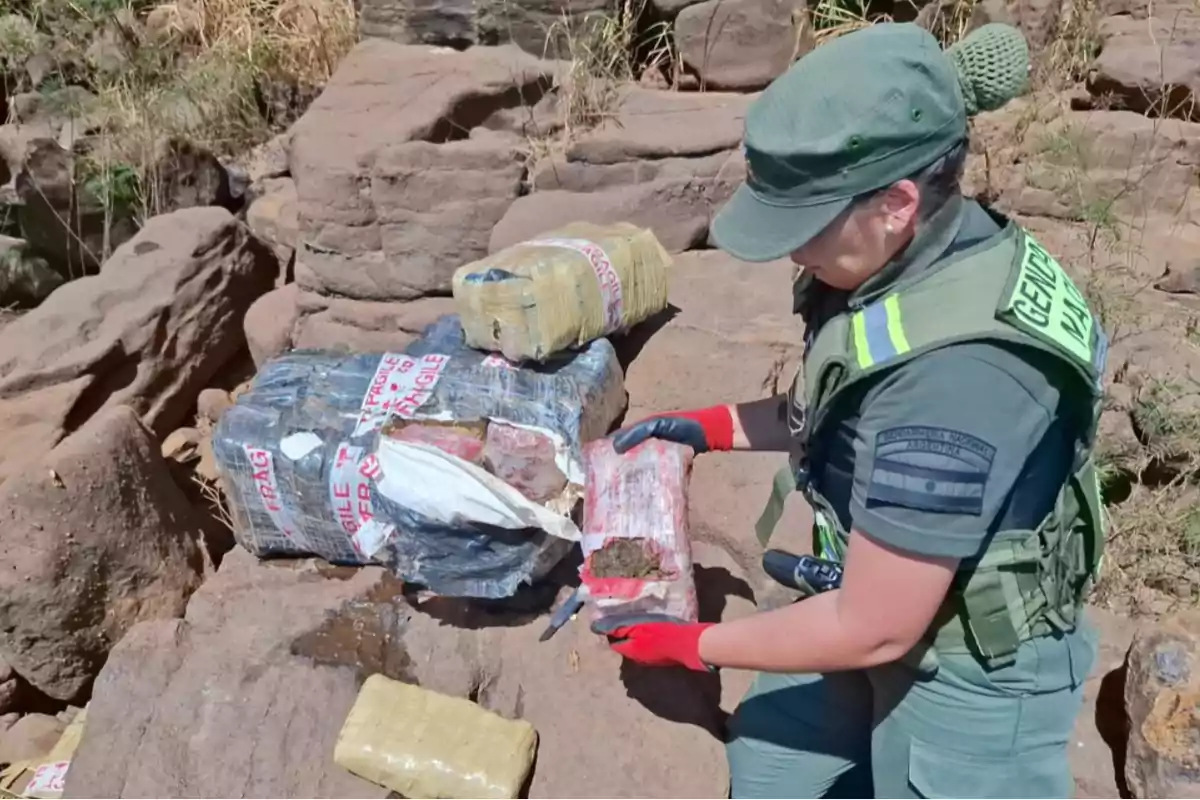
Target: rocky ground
449	131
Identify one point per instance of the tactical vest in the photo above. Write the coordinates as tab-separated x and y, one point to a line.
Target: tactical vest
1005	290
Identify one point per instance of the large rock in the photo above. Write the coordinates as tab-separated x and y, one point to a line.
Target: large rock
1150	65
1039	20
96	537
150	331
1162	691
69	221
372	223
670	8
272	218
678	210
1038	157
291	317
269	323
63	220
433	208
741	44
217	704
25	279
32	737
358	326
581	176
1098	724
537	26
667	177
246	695
650	124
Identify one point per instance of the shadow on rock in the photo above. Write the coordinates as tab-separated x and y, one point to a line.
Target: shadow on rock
714	587
683	695
523	608
629	344
1112	722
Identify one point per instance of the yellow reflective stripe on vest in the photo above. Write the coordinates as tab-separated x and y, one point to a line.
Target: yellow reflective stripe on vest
879	333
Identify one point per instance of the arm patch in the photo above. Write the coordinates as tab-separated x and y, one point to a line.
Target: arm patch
928	468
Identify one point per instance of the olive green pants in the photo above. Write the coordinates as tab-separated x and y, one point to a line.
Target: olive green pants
883	732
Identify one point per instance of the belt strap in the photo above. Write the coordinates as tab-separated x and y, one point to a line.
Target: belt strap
782	485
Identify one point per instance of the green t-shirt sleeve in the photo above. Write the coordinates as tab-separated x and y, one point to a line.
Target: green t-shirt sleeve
939	446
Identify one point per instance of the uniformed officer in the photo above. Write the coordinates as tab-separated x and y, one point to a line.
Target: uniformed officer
941	428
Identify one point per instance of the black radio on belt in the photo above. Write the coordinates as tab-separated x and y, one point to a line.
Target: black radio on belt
806	574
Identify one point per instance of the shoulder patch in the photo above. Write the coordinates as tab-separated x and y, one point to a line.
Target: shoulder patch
927	468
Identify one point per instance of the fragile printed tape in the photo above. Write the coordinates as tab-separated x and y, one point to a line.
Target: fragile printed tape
400	386
606	274
48	779
350	499
266	486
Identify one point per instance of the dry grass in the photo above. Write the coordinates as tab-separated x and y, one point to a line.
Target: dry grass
606	51
601	60
830	19
231	53
1152	563
220	74
1073	49
214	498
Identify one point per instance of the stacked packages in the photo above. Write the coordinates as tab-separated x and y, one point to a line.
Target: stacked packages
559	291
456	467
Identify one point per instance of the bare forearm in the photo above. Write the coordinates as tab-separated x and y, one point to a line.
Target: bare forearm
761	425
858	625
809	636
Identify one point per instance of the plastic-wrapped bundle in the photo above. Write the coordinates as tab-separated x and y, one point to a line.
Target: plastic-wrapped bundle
562	290
393	458
637	555
420	743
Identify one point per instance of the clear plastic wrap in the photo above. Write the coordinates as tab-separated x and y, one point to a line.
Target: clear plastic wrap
637	555
393	458
562	289
420	743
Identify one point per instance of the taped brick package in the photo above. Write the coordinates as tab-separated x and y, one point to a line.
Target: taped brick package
420	743
453	467
562	289
637	555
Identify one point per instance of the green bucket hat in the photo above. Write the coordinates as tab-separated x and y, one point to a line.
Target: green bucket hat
855	115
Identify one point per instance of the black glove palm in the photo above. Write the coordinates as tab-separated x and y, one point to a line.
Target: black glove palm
673	429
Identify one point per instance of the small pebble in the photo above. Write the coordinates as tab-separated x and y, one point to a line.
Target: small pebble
212	403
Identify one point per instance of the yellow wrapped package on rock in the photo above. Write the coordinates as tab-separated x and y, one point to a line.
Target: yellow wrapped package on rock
425	744
562	289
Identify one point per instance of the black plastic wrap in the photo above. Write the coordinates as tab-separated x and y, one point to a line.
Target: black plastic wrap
297	455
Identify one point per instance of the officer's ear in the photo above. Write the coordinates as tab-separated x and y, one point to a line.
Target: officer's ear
899	206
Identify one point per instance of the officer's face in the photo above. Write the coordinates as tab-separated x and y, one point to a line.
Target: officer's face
863	239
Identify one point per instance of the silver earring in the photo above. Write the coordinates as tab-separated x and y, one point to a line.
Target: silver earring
888	228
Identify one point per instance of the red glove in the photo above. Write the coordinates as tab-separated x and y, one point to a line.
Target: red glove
661	644
715	421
